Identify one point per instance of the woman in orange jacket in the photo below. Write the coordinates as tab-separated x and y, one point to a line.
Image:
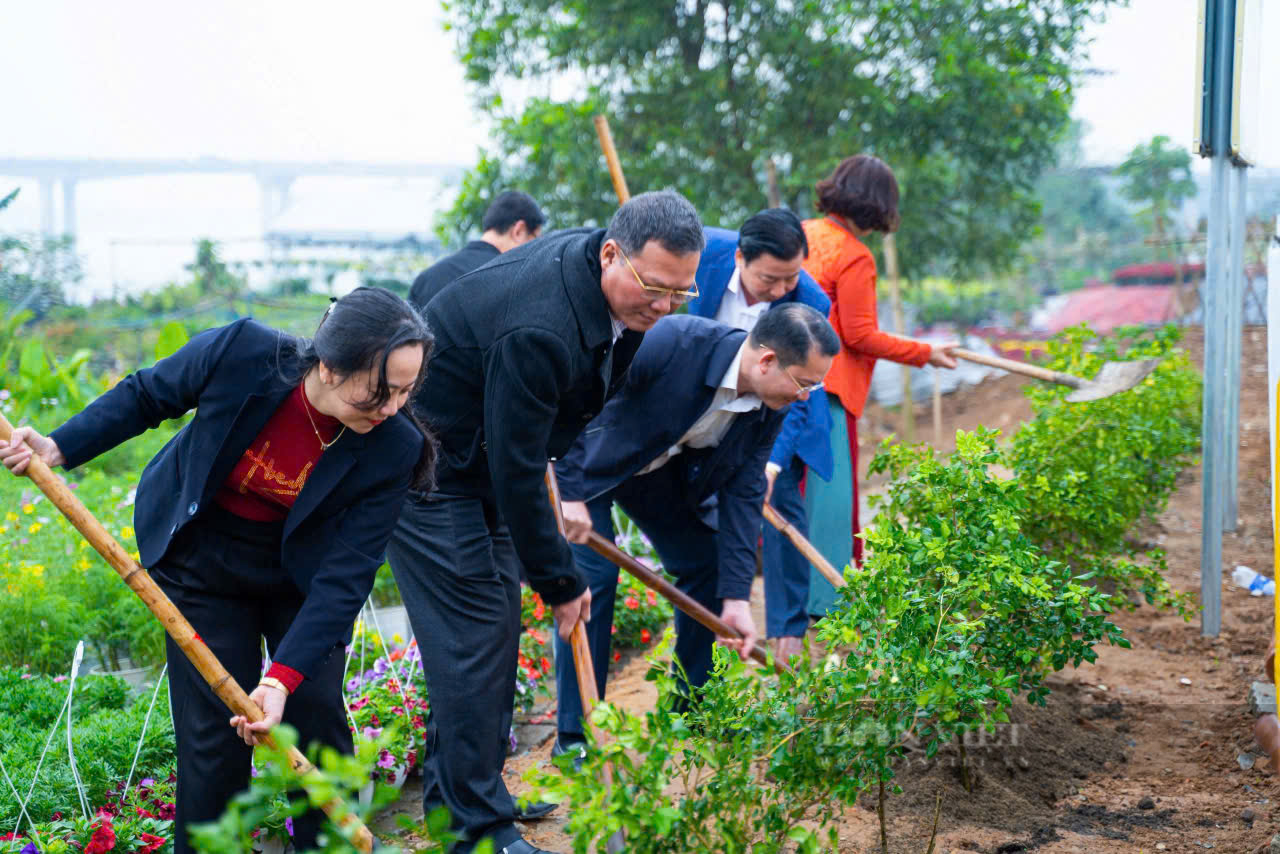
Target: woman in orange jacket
860	197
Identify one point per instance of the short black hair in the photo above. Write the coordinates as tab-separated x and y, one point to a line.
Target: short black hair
662	215
509	208
863	189
776	231
793	330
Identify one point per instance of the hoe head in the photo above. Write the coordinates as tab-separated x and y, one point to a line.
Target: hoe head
1114	378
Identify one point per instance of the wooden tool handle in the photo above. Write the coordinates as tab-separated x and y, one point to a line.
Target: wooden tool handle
1033	371
141	583
805	547
672	594
611	157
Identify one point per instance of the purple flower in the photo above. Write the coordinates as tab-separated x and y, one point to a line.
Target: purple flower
353	684
288	825
253	770
386	760
511	739
29	848
146	783
380	667
372	733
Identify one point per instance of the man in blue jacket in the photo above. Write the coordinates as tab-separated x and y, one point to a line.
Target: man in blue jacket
740	276
681	448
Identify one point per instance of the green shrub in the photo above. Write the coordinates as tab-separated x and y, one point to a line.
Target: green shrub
1096	472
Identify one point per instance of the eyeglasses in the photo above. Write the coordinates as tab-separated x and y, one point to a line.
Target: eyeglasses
678	297
803	389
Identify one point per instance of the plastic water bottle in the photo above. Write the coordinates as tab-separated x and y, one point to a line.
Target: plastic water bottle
1255	583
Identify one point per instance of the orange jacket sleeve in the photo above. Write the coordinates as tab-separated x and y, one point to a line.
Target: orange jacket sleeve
856	298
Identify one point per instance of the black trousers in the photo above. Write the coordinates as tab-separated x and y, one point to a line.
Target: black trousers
454	563
224	575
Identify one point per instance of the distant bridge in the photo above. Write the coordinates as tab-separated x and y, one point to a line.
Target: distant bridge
274	178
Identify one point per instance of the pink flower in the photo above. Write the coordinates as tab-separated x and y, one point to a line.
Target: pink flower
386	760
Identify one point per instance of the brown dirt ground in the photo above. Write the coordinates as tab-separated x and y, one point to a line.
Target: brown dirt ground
1072	777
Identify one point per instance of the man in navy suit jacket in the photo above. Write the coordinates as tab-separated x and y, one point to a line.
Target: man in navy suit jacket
681	448
741	274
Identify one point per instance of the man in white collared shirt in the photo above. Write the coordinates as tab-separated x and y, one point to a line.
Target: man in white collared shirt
681	448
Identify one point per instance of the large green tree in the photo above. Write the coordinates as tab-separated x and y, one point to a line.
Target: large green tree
1157	175
964	98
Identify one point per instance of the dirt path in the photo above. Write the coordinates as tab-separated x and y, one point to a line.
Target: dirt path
1125	757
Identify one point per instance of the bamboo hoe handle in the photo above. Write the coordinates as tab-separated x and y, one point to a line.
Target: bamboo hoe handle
673	594
141	583
582	663
1034	371
611	157
805	547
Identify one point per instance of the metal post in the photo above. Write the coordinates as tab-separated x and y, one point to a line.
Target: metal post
1213	485
1235	335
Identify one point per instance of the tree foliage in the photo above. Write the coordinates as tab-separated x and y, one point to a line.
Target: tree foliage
1157	175
965	100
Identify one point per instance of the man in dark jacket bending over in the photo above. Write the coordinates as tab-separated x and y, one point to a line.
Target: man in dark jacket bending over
528	349
682	449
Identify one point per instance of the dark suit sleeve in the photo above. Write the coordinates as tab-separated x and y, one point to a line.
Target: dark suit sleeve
526	373
168	389
649	362
741	511
342	584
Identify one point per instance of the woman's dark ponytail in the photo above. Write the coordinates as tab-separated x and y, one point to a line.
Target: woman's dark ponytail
361	330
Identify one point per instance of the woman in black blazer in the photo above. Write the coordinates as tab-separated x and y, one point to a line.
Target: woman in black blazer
266	515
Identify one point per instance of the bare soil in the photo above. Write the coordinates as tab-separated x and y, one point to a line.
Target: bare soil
1125	756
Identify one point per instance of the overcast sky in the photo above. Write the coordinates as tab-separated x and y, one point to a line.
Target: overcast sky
379	81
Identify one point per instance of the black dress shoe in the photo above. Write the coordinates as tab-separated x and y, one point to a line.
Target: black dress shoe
534	810
520	846
578	748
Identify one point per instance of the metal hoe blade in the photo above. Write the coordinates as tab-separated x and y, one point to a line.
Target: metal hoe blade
1114	378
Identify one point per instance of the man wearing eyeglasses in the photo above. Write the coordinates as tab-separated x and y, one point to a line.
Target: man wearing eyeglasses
681	448
528	349
740	276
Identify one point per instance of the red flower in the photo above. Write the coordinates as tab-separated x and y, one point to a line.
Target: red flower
397	655
57	817
546	665
539	610
104	836
613	630
142	811
632	603
153	843
653	600
644	636
617	656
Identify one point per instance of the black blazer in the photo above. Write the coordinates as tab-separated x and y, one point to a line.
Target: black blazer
671	384
235	379
524	358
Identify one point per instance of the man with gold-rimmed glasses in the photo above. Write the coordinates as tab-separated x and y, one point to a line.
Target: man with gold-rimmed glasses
681	448
528	349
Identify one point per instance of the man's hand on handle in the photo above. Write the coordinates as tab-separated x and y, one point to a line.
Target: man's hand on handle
16	453
568	613
737	613
577	521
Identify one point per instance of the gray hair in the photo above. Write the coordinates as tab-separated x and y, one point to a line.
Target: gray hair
664	216
793	330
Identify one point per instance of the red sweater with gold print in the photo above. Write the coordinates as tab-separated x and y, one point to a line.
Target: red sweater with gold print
272	471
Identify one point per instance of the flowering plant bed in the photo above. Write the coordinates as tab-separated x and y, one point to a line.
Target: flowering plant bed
137	822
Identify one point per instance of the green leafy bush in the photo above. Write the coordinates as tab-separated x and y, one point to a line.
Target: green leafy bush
954	613
107	724
1097	472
